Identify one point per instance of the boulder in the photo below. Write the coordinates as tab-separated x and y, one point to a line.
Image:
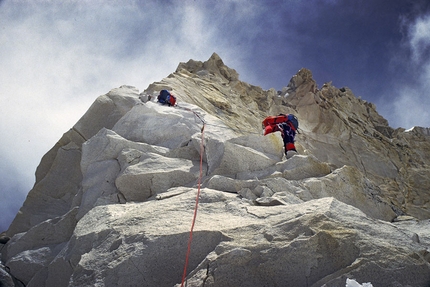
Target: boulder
322	241
154	174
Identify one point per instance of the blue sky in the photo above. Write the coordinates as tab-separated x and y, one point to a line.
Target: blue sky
58	56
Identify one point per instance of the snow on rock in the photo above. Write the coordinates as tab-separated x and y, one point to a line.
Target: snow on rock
353	283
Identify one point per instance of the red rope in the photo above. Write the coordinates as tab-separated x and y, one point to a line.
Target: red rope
184	275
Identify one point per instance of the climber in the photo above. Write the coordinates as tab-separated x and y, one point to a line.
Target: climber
166	98
287	125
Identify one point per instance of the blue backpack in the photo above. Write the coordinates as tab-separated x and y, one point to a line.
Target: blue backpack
166	98
292	118
163	97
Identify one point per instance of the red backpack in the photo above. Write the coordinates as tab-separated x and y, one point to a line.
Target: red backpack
172	100
269	123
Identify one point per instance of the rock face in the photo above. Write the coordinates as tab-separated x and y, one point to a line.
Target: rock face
114	198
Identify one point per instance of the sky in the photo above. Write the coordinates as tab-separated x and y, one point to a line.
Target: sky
57	57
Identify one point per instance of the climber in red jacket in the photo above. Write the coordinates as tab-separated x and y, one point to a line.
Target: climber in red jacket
287	125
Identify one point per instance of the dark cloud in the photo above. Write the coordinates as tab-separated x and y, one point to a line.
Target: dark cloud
14	188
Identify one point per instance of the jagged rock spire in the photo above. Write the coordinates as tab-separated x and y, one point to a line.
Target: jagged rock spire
214	65
304	79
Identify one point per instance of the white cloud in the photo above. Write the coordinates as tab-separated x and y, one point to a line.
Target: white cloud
408	104
419	37
414	101
411	108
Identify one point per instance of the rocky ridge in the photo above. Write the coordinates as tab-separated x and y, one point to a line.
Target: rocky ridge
113	199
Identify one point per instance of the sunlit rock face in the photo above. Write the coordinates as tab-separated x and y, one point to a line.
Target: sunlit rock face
114	198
